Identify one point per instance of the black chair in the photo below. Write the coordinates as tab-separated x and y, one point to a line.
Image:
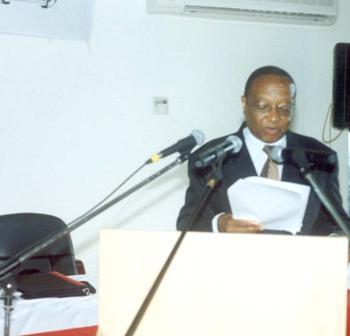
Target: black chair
21	230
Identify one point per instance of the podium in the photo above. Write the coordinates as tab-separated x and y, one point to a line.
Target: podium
223	284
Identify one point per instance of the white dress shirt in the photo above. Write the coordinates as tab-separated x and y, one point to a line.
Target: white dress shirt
255	149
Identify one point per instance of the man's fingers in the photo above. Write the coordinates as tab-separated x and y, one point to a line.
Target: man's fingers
227	223
243	223
243	226
244	229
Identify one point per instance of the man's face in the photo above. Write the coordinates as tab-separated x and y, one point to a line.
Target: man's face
268	107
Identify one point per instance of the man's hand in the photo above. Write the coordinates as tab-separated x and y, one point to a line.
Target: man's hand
226	223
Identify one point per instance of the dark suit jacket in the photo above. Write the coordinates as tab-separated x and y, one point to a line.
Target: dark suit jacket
316	220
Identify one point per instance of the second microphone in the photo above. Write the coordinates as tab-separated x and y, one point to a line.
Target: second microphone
230	145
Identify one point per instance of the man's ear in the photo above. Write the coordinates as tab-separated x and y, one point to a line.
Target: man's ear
244	102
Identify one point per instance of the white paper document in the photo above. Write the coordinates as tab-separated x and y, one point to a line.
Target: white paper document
276	205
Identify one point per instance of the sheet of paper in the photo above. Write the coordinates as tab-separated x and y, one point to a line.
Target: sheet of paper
276	205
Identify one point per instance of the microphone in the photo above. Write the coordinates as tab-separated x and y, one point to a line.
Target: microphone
183	146
292	155
232	144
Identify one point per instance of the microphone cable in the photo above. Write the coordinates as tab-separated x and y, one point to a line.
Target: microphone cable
86	213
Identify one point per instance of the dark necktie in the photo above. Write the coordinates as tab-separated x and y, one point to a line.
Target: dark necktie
270	169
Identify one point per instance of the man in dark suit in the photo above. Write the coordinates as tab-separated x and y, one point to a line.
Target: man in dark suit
268	104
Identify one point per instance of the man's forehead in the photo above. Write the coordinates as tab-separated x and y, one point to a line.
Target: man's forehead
263	81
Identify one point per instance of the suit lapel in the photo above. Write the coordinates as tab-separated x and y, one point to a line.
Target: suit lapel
239	165
235	167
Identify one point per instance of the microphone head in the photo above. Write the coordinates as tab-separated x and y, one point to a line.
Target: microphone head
277	154
235	142
198	136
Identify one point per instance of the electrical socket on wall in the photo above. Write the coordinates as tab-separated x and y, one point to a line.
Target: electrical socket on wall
161	105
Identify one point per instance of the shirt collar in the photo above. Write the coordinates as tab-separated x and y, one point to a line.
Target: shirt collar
255	145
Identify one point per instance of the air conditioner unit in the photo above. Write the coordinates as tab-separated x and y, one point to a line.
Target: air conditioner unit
314	12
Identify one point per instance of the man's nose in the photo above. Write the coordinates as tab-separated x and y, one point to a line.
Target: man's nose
274	113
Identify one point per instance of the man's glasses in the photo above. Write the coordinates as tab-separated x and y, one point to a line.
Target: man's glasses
283	110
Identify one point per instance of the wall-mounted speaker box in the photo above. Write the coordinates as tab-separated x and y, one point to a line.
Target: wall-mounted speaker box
341	85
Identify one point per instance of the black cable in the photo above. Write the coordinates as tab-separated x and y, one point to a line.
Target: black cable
108	196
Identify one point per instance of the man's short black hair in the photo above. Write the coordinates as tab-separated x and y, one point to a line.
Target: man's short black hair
263	71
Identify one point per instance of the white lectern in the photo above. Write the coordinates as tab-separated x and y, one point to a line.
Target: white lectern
223	284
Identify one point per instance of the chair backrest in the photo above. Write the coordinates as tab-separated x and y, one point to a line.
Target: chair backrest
21	230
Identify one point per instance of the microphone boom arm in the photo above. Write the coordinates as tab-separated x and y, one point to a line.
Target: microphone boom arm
325	201
304	161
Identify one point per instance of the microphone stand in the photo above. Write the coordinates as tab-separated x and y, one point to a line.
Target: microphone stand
7	290
215	177
8	287
304	167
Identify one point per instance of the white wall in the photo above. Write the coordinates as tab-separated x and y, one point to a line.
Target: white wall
76	119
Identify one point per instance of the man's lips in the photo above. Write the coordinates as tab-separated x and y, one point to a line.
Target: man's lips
271	130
